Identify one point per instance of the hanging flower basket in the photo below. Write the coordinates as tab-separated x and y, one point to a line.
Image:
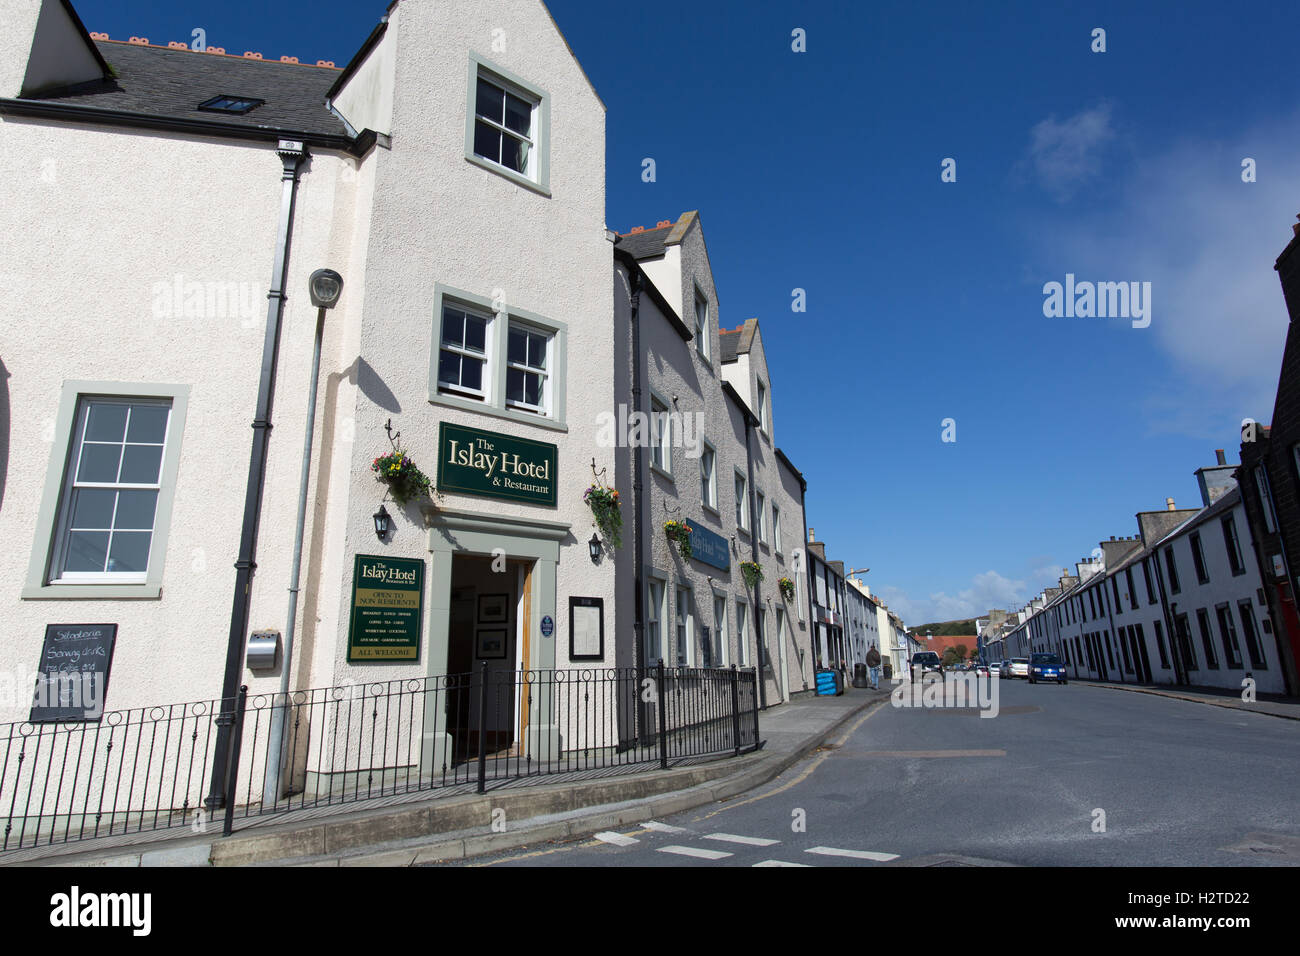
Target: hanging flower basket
679	532
399	472
752	572
604	508
787	588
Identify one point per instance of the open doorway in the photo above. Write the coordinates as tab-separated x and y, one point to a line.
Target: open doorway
489	600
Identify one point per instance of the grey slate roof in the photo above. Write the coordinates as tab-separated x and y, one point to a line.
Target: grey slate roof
159	81
730	343
645	245
737	341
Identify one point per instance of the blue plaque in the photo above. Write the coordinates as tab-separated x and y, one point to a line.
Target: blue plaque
548	626
709	547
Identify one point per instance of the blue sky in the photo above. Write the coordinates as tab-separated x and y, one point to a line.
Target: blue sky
821	171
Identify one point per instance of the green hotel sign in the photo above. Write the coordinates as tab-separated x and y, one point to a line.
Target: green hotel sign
474	462
387	598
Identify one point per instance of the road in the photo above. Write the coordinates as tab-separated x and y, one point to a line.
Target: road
1174	783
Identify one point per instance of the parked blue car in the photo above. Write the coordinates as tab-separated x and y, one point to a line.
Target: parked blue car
1046	667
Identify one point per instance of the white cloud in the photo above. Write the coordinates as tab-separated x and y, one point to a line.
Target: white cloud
1182	219
988	589
1066	154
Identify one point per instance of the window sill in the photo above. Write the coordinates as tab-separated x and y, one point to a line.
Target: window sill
541	189
465	404
662	473
712	510
72	592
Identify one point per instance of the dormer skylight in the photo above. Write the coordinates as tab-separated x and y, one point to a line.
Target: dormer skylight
231	104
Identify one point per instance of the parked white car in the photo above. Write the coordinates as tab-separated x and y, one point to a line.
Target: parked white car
1020	667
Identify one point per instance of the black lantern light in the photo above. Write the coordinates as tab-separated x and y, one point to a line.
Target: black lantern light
325	286
593	546
383	523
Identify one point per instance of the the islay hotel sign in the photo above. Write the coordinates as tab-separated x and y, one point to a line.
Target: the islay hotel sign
475	462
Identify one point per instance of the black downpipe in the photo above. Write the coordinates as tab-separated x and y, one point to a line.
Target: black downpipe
292	156
638	513
759	643
812	621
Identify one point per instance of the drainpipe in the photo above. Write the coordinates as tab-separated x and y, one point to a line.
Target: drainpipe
292	157
638	536
812	626
759	643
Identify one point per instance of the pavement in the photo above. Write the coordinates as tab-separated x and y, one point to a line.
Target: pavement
1273	705
456	826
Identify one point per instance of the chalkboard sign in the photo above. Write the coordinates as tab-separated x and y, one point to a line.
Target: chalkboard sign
72	675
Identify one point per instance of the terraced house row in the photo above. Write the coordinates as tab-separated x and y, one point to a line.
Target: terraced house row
1200	596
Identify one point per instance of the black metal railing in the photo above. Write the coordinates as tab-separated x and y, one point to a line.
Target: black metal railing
149	768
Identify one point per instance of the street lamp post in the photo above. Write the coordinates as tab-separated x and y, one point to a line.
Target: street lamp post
325	286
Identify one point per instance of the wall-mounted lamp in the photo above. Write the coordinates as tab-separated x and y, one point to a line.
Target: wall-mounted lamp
383	523
593	547
325	286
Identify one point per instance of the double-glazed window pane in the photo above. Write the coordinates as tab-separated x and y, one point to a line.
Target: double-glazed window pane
662	434
109	504
683	625
502	126
526	368
464	350
707	495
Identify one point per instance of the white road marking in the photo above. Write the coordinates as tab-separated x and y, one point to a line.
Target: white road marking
695	852
748	841
853	854
779	863
618	839
662	827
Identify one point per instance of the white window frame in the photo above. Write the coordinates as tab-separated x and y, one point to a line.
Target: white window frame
740	487
546	387
742	632
703	333
683	626
782	622
661	435
484	393
776	529
538	175
762	406
721	631
53	513
502	317
709	479
760	509
654	619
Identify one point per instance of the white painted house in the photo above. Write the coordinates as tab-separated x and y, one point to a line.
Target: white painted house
164	210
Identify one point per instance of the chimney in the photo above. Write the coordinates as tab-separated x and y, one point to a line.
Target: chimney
812	535
1218	454
1169	504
